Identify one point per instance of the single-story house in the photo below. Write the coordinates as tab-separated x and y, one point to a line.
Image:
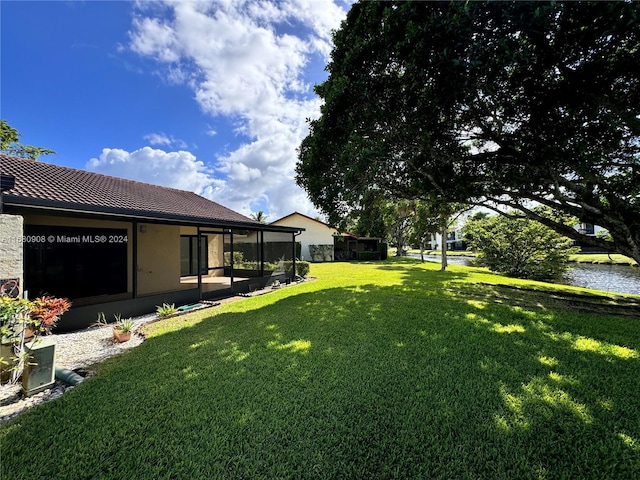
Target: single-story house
323	243
119	246
317	239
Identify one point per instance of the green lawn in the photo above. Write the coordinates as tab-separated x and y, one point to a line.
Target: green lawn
452	253
612	259
376	370
604	258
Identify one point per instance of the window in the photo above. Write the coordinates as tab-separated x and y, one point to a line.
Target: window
75	262
189	254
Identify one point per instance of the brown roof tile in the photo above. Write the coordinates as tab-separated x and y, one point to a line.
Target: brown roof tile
42	184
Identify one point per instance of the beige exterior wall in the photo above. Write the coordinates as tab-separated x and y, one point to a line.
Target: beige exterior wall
11	251
316	233
158	259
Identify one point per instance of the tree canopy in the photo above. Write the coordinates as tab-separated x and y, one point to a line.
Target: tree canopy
10	144
494	103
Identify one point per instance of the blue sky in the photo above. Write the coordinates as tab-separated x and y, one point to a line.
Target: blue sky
207	96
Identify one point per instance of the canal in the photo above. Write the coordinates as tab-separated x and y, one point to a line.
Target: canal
608	278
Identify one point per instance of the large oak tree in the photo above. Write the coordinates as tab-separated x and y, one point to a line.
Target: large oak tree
484	102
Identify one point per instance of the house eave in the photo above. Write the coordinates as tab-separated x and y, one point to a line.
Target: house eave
52	206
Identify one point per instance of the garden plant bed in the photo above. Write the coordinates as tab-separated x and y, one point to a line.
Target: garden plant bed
76	351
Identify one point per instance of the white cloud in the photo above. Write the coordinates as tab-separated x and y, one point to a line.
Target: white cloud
184	171
155	39
180	170
157	139
245	59
164	139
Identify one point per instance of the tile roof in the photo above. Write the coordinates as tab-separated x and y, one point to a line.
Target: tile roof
302	215
45	185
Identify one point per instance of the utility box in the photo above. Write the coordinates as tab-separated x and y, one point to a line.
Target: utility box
41	375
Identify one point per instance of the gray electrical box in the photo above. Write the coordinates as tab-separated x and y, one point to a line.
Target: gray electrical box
41	375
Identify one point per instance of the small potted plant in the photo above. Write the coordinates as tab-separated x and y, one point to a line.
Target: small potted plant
123	329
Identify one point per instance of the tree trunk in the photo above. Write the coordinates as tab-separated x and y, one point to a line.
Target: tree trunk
443	265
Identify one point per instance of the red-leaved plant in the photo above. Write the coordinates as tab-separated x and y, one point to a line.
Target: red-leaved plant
46	311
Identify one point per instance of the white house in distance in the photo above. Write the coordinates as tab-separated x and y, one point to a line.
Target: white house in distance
317	234
455	240
455	237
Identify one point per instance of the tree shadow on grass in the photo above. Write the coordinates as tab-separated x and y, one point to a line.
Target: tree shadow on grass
407	380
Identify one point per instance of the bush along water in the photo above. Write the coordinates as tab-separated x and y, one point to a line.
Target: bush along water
519	247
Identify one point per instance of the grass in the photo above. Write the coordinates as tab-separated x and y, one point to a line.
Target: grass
452	253
374	370
601	258
604	258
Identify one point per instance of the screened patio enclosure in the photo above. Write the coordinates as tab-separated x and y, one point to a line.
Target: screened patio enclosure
234	258
130	268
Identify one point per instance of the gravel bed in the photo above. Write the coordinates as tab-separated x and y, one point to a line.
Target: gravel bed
74	351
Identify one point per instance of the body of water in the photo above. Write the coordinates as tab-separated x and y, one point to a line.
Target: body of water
608	278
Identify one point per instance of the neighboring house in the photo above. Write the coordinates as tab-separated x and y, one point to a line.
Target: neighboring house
118	246
455	240
322	243
590	230
317	239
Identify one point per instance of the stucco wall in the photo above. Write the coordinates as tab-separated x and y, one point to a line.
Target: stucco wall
158	259
11	252
316	233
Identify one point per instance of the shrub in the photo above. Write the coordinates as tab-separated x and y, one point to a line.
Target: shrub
17	318
251	266
46	312
302	268
166	310
238	258
321	253
519	247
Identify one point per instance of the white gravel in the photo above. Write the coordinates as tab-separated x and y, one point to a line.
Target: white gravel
74	351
